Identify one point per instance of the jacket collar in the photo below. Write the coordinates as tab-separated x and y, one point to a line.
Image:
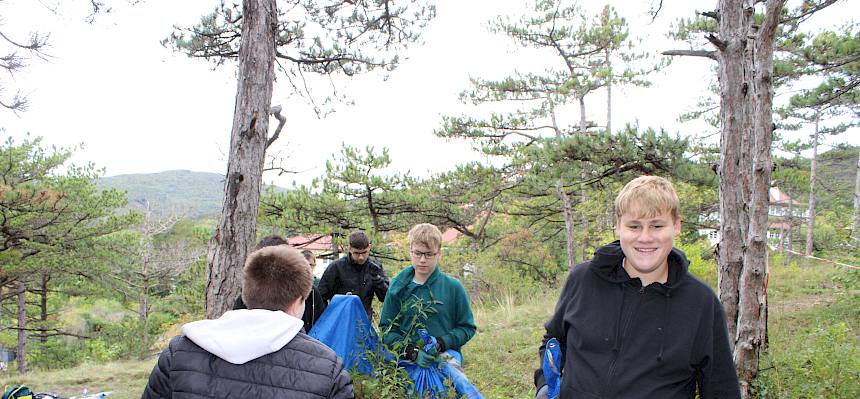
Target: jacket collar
408	275
607	264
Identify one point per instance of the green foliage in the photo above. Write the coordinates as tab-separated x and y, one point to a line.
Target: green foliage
42	211
702	265
354	194
388	379
818	357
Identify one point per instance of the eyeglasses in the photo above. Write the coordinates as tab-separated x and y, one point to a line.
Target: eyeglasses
419	254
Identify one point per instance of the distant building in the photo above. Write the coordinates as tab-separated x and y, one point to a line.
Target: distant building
783	213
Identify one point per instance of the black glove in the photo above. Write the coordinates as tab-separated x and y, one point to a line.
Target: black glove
410	353
377	276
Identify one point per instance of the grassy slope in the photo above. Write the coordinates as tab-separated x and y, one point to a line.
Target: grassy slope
502	356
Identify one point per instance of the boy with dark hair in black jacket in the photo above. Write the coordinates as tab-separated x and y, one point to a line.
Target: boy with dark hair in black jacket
632	322
259	352
356	273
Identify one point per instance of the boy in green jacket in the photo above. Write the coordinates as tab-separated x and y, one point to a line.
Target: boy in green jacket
447	315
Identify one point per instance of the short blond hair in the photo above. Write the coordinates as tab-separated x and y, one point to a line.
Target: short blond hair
648	196
274	277
427	235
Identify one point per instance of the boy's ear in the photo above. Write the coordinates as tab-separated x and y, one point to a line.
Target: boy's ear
677	226
296	308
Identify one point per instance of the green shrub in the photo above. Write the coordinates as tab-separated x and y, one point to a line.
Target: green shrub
702	268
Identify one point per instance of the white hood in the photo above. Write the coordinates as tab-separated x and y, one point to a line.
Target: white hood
240	336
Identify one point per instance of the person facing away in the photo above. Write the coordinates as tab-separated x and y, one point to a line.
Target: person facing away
355	273
633	322
314	304
259	352
451	321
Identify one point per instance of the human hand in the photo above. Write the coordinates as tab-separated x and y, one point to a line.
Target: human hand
425	359
542	393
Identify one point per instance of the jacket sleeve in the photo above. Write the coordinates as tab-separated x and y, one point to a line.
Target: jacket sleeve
464	322
341	383
328	282
718	376
555	328
158	385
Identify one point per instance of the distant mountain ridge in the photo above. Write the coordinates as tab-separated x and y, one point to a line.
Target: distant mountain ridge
193	194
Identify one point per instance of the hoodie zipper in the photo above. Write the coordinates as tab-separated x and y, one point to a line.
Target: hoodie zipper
617	353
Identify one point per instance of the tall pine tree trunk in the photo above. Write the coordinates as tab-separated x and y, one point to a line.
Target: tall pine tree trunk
855	231
810	222
569	225
583	125
566	206
789	253
43	308
608	92
745	59
733	117
236	231
21	349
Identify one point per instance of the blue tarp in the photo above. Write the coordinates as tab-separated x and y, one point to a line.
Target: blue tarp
430	381
551	366
345	328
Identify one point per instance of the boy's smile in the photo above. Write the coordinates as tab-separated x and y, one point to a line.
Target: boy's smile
646	241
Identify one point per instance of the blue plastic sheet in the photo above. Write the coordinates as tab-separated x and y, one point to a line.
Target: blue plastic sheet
430	381
345	328
353	344
551	366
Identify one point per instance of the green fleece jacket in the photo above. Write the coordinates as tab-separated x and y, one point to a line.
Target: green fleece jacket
451	321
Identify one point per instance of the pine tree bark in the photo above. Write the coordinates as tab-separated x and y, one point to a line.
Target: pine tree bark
733	116
810	222
566	206
569	225
790	244
43	307
21	349
745	56
608	92
236	231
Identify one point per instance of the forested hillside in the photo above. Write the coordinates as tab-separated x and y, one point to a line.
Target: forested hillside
194	194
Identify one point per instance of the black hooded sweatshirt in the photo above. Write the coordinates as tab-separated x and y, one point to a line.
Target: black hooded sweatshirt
622	340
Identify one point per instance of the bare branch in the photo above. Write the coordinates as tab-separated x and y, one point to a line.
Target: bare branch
716	41
693	53
282	120
711	14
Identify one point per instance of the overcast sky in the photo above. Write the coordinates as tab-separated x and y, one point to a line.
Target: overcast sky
137	107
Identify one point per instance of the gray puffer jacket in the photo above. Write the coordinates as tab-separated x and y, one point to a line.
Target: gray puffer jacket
243	362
